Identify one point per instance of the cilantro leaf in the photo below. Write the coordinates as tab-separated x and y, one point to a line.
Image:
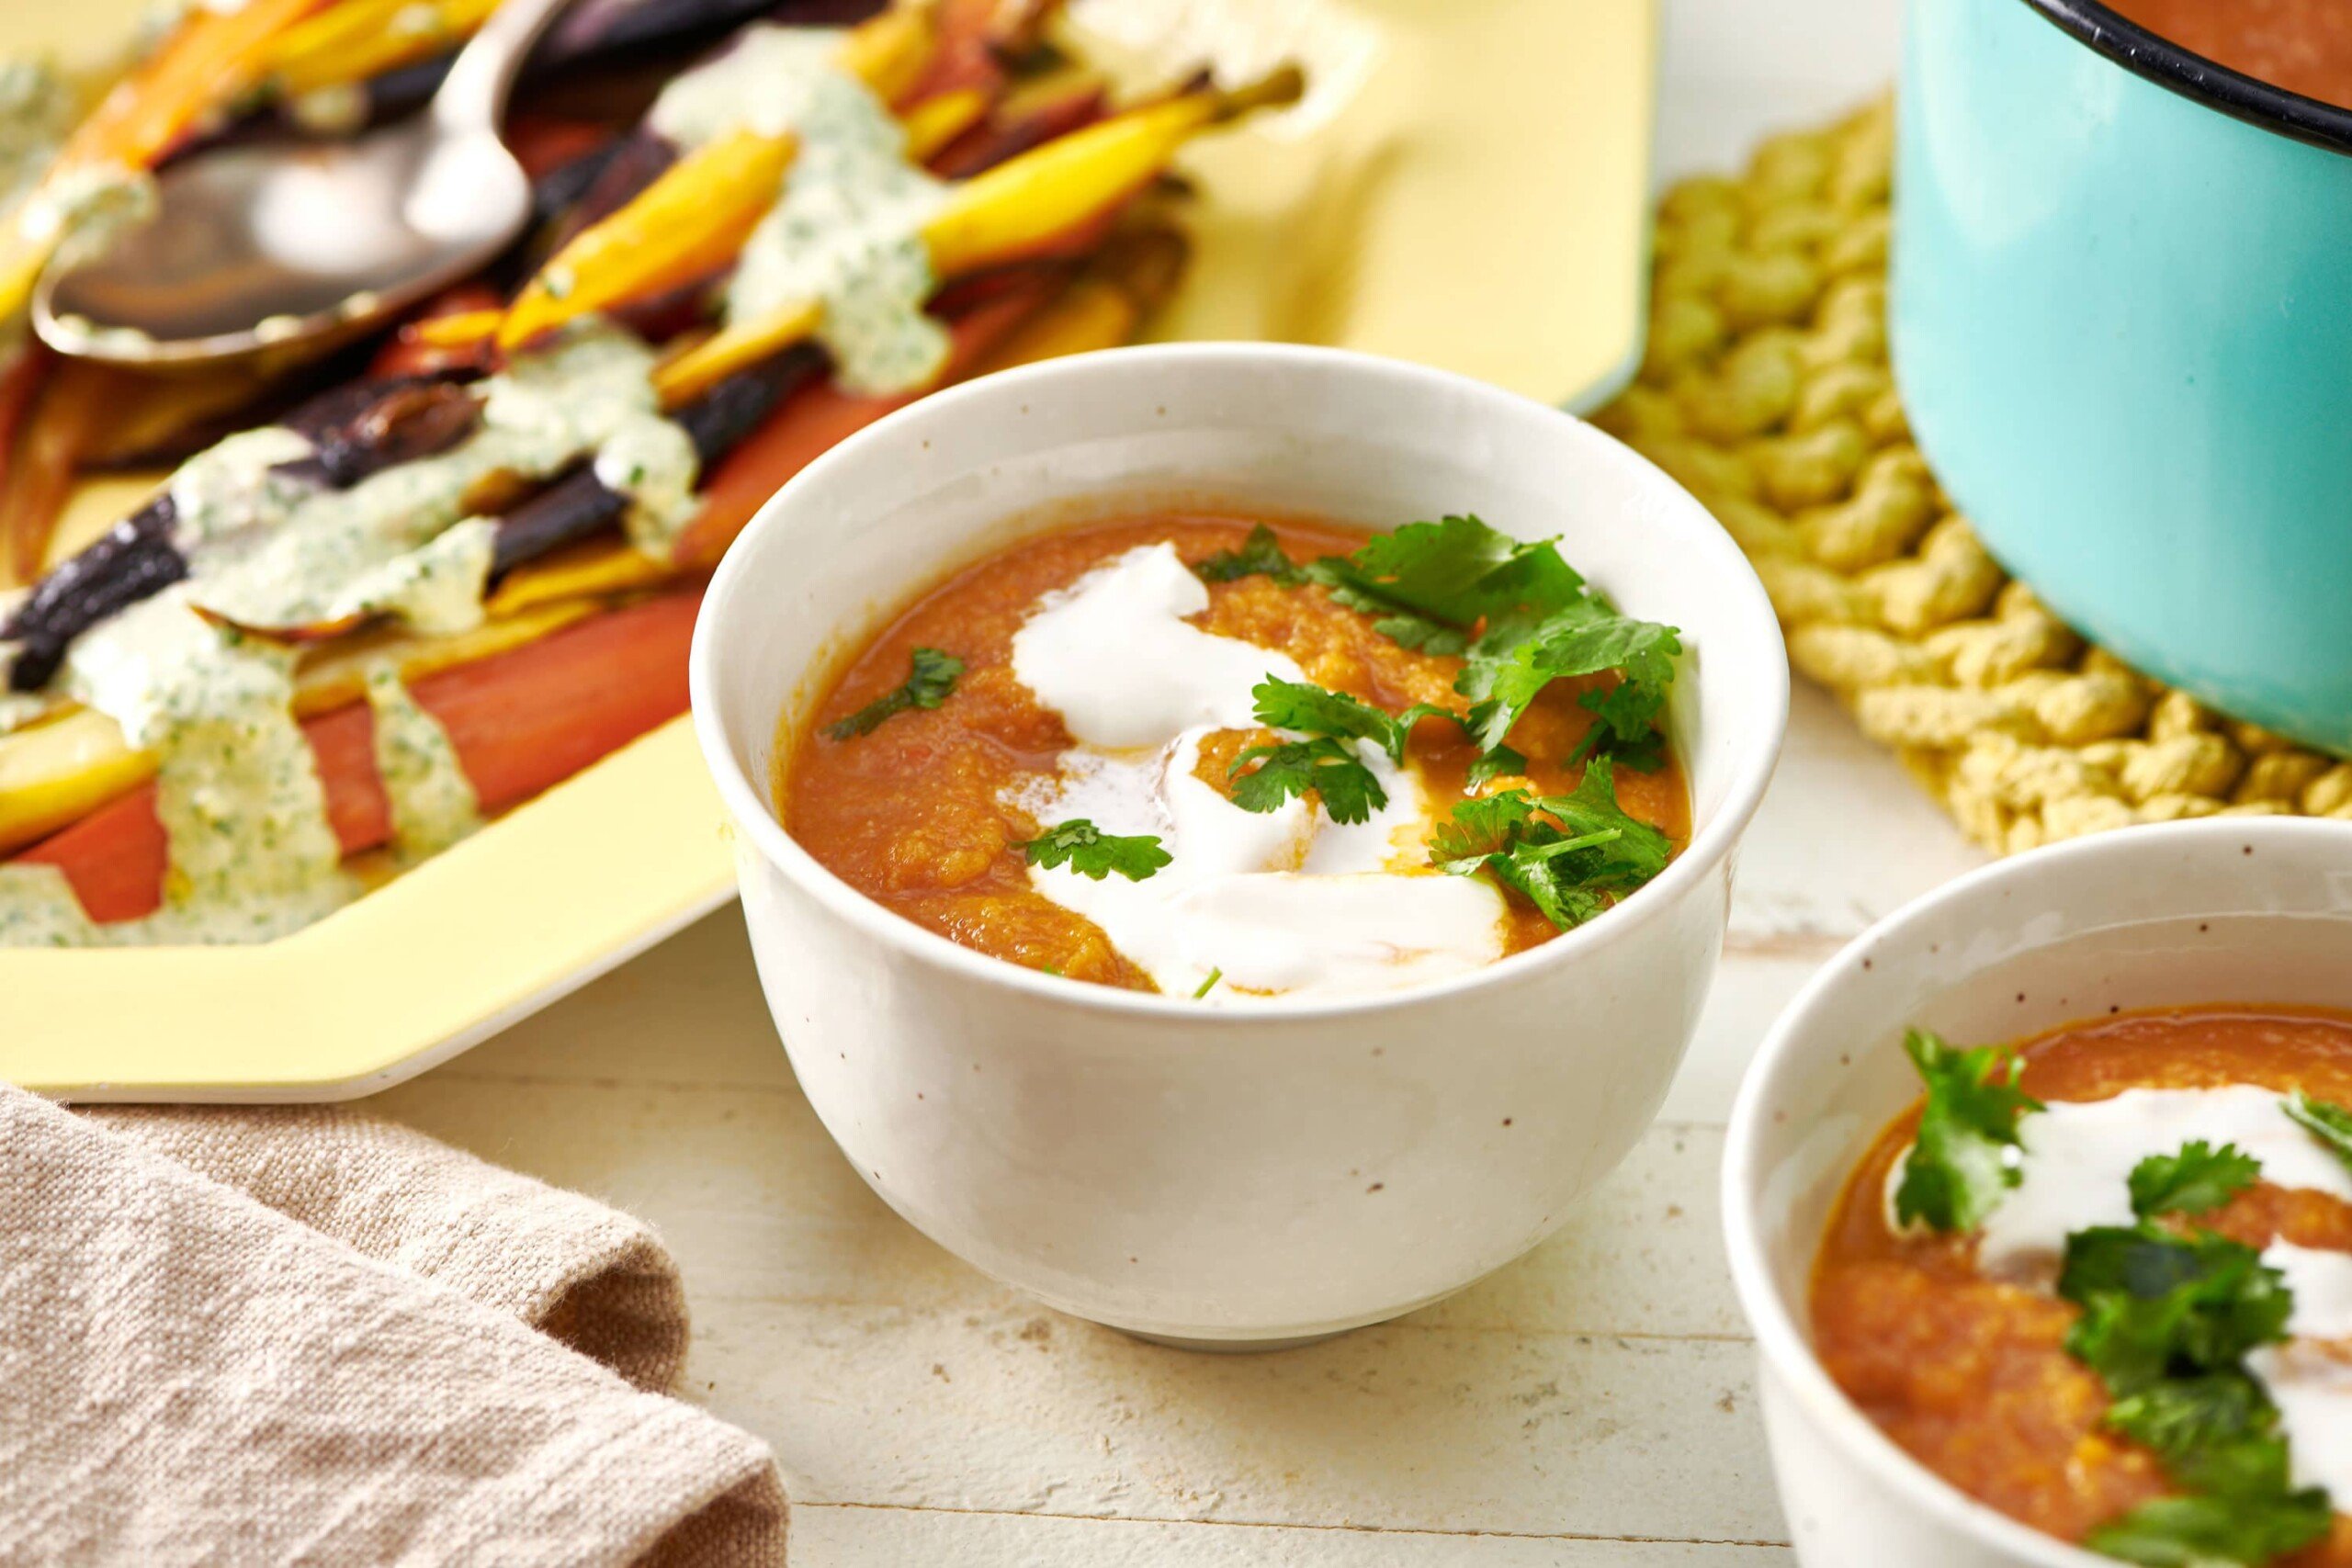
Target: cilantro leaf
1493	764
1563	852
931	677
1088	851
2202	1531
1260	555
1960	1165
1521	617
2157	1305
1584	640
2199	1179
2208	1413
2329	1123
1313	710
2167	1321
1428	583
1628	733
1330	768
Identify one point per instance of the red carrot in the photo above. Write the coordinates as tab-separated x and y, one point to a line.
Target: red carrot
520	720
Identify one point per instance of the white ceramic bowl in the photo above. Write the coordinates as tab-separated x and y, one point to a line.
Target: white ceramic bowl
2228	909
1242	1174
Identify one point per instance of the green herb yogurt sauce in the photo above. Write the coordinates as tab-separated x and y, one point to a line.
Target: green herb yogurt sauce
252	852
38	107
433	802
848	230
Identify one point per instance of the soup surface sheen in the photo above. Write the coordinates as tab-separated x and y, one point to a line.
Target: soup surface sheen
1150	670
1954	1343
2304	46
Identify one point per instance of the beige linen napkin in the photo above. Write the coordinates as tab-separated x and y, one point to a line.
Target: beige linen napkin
264	1336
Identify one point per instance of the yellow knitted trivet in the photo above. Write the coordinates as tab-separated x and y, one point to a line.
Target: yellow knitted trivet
1766	391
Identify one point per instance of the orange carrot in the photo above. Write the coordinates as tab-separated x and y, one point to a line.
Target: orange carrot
209	60
814	419
410	352
520	721
19	387
73	406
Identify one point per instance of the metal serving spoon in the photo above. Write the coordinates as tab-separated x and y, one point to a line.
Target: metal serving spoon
255	248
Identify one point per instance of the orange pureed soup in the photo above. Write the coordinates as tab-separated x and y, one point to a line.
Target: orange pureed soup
2102	1281
1063	756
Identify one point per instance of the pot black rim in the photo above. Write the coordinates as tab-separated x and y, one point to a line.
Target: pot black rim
2234	92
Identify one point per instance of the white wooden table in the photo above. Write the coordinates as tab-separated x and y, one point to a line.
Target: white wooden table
1591	1404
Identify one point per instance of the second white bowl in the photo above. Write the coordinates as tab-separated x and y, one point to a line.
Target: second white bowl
1246	1173
2227	909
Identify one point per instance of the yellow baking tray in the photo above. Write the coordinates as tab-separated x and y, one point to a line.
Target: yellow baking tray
1466	186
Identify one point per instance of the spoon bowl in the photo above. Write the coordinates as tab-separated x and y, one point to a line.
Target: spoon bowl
254	248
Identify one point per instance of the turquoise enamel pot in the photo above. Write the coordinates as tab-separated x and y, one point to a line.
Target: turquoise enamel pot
2122	327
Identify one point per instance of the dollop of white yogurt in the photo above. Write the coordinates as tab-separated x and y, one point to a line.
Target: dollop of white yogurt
1281	903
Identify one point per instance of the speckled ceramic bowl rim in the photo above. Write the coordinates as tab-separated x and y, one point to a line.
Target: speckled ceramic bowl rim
1697	539
1789	1047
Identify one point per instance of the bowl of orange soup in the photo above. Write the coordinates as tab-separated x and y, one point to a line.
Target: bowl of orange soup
2039	1198
1236	836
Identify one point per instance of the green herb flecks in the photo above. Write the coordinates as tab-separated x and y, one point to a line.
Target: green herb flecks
2197	1179
2202	1531
1427	584
1092	853
1522	619
2329	1123
2167	1320
1325	761
1312	710
1570	855
1266	776
930	678
1260	555
1208	985
1962	1159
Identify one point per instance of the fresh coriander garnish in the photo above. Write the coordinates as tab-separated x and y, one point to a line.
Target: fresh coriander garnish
930	677
1265	776
2199	1179
1493	764
2200	1529
1581	638
1088	851
1566	853
2166	1323
1960	1164
1428	583
1521	618
2327	1121
1208	985
1313	710
2157	1304
1260	555
1325	761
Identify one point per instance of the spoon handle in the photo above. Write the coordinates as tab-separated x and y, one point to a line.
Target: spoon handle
473	94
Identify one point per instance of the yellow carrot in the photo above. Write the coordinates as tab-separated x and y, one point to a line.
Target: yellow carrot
940	119
359	39
692	220
1027	200
688	222
1014	208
